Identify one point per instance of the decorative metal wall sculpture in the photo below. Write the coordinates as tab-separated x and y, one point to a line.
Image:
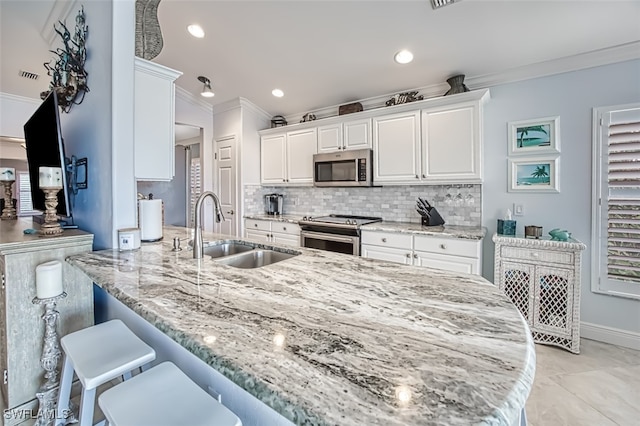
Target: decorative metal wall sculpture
308	117
403	98
68	76
149	41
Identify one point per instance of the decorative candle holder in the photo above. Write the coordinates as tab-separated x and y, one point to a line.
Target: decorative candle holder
8	212
51	227
51	355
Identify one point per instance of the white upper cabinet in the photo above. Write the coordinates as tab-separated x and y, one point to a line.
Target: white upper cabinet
396	148
354	134
273	167
287	158
154	121
451	144
433	141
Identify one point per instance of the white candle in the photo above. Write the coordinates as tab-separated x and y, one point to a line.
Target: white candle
49	279
50	177
7	173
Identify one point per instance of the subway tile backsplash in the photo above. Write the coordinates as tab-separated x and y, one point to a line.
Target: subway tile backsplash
458	204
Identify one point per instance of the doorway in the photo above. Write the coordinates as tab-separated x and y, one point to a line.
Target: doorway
226	180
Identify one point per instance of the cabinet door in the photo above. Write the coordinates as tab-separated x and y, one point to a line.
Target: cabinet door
301	146
553	293
154	113
396	148
357	134
286	239
516	280
386	253
272	159
451	144
466	265
257	235
330	138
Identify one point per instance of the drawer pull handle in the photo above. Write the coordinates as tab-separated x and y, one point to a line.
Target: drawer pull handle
443	246
415	256
284	228
408	255
384	240
255	224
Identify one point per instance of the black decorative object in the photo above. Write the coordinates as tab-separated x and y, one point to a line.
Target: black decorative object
308	117
457	85
349	108
403	98
68	76
278	121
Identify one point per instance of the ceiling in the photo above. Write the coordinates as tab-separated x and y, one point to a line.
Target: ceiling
325	53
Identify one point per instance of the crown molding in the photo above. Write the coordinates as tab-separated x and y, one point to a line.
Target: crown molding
245	103
60	11
189	98
595	58
18	98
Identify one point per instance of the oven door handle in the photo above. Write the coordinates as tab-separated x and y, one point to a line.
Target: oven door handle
330	237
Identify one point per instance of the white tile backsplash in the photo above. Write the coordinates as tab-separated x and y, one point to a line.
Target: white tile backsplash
392	203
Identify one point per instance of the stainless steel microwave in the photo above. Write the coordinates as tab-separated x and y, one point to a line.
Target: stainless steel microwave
344	168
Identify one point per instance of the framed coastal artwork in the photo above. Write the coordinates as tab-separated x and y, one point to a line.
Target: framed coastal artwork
534	174
539	136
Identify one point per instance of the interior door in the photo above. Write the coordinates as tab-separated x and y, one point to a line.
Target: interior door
227	186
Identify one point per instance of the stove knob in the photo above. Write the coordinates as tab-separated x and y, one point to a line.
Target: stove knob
304	218
349	222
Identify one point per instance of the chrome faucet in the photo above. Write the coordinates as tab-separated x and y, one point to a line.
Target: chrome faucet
197	236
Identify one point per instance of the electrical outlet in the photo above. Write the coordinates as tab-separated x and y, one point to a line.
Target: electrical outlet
518	209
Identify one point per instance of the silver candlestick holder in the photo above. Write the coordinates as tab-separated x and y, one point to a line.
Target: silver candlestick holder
8	212
51	227
50	359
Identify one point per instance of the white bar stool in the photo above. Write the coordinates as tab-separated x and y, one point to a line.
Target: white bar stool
98	354
163	396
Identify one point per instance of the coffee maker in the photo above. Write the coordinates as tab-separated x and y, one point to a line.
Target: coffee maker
273	204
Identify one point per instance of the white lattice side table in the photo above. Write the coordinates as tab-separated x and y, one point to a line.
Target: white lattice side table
542	279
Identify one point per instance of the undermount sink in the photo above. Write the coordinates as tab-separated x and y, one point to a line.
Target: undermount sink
225	249
255	258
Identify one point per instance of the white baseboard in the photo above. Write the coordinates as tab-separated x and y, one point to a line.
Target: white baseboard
614	336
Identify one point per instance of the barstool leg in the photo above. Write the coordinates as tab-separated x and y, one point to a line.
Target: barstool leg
87	401
64	394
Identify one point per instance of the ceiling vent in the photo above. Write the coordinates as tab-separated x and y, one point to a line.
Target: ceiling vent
29	75
436	4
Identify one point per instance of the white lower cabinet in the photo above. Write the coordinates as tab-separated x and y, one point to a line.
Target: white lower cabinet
451	254
278	232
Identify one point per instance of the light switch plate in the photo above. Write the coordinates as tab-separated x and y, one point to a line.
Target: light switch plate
518	209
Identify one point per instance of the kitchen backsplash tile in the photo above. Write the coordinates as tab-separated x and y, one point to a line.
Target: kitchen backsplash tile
458	204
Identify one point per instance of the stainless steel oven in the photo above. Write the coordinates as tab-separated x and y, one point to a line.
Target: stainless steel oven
344	168
337	233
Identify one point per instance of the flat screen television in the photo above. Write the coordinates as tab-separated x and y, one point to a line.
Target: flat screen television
45	147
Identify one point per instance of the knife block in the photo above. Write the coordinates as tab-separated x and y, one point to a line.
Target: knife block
434	218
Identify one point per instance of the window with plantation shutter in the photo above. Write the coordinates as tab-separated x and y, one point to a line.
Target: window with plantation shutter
616	200
24	205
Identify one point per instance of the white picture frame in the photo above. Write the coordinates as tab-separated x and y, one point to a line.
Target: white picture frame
532	137
534	174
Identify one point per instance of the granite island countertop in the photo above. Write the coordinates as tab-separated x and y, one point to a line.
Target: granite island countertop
330	339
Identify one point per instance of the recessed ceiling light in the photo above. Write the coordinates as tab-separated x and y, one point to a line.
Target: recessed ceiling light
403	57
196	30
277	93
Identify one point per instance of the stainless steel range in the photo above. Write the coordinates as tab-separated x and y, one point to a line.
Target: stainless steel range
338	233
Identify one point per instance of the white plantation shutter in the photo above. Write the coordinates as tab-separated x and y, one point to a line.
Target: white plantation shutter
25	206
616	254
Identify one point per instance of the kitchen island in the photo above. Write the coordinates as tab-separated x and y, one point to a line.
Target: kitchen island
330	339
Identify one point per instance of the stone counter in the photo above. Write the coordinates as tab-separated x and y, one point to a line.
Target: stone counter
451	231
331	339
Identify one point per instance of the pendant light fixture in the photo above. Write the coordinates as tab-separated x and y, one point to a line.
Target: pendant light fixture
206	89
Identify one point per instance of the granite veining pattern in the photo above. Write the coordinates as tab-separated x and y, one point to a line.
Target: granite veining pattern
455	231
276	218
329	339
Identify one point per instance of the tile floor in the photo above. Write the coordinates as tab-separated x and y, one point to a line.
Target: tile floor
599	387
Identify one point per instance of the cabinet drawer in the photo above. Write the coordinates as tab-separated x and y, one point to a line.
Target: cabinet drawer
550	256
258	224
450	246
387	239
285	228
